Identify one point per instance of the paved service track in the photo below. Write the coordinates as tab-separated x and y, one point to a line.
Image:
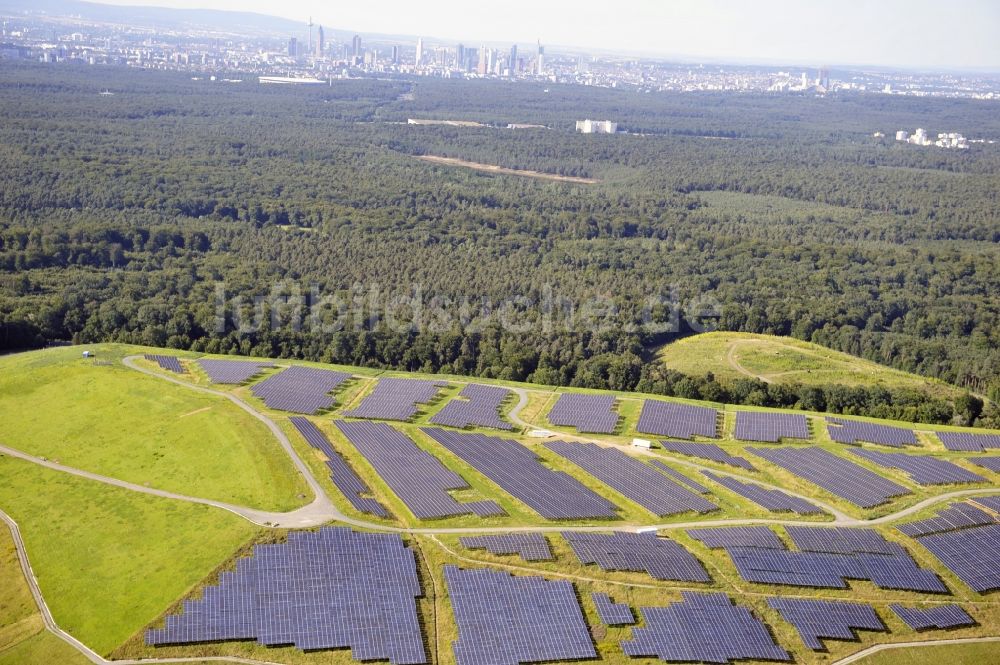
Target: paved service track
322	510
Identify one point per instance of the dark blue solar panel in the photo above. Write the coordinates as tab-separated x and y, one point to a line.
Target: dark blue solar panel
853	432
553	494
708	451
773	500
770	427
232	371
611	613
922	469
417	477
593	414
989	502
737	536
530	546
835	474
300	389
969	442
680	477
507	620
635	480
703	627
169	363
678	421
662	558
395	399
824	619
938	616
955	517
330	589
476	405
343	476
991	463
973	554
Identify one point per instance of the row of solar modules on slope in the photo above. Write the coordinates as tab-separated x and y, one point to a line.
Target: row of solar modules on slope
530	546
592	414
232	371
770	427
968	442
922	469
737	536
824	619
633	479
416	476
507	620
708	451
773	500
518	471
300	389
989	502
703	627
954	517
989	463
330	589
395	399
835	474
169	363
679	421
940	616
662	558
481	407
680	477
343	476
611	613
853	432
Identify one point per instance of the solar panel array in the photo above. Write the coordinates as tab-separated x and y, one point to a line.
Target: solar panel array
853	432
954	517
773	500
300	389
481	406
939	616
973	554
518	471
232	371
507	620
395	399
611	613
662	558
737	536
922	469
343	476
966	441
703	627
328	589
770	427
835	474
989	463
417	477
530	546
988	502
824	619
680	477
169	363
592	414
708	451
828	558
680	421
635	480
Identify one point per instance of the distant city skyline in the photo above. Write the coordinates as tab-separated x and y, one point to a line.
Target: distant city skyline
919	34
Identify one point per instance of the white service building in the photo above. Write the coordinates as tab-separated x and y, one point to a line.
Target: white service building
596	126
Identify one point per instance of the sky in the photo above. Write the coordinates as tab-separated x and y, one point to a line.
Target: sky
920	34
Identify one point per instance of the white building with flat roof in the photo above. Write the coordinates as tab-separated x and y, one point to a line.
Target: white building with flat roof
596	126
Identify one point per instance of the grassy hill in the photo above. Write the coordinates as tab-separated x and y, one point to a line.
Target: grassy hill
732	355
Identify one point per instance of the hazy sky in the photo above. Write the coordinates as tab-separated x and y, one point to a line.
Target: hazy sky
909	33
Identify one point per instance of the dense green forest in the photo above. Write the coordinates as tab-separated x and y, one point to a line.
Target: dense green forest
131	216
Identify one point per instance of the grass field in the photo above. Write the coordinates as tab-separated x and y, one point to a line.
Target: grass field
117	422
109	560
980	653
731	356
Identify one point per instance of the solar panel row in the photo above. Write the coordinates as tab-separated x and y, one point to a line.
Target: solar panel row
939	616
416	476
973	554
956	516
592	414
611	613
530	546
679	421
507	620
480	406
773	500
770	427
343	476
329	589
835	474
395	399
518	471
922	469
703	627
300	389
661	558
169	363
853	432
824	619
232	371
991	463
708	451
737	536
680	477
969	442
633	479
